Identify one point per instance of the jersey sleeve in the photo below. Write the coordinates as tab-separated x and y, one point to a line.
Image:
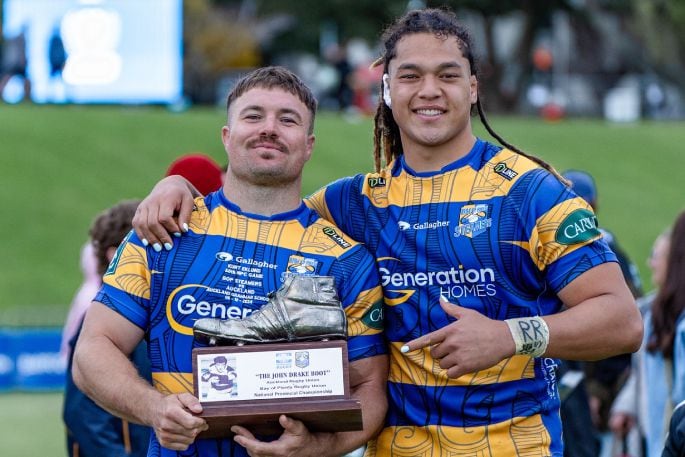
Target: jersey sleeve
341	203
564	239
362	298
126	283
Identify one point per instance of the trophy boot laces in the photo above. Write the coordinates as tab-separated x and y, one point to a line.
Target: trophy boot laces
303	308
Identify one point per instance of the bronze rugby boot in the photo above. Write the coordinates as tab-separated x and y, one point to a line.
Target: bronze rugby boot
303	308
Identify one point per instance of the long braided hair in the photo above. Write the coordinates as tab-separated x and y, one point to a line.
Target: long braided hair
387	144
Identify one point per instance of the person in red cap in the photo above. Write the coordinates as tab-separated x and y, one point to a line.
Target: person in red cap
199	169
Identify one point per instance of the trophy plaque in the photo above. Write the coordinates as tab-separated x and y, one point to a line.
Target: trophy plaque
252	385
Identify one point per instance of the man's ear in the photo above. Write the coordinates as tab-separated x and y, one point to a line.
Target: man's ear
225	135
474	89
311	139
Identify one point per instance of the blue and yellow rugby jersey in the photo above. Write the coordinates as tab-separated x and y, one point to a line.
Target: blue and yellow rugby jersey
493	232
224	268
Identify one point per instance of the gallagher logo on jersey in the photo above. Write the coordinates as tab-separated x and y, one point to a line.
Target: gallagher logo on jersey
473	220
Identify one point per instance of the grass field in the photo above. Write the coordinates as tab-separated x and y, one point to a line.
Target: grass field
62	165
31	425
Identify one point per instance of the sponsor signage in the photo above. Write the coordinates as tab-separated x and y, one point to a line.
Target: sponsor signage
30	359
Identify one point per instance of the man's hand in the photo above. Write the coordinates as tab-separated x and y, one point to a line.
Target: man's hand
295	441
474	342
175	423
166	210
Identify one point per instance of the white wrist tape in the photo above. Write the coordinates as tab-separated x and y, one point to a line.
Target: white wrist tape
531	335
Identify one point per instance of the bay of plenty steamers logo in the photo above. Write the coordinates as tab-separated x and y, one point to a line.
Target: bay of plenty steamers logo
473	220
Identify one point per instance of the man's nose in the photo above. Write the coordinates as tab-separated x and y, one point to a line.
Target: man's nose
269	127
429	87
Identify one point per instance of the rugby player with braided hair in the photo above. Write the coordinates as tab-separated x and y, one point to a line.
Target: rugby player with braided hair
491	267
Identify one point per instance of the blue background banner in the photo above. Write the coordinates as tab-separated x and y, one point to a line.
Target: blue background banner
30	359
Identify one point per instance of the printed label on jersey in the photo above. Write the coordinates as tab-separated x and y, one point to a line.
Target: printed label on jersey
454	283
404	226
503	170
473	220
578	227
117	256
330	232
373	317
301	265
192	301
224	256
376	182
549	371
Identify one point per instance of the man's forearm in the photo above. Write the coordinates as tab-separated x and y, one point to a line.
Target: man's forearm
107	376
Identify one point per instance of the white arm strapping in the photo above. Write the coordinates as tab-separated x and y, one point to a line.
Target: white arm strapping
531	335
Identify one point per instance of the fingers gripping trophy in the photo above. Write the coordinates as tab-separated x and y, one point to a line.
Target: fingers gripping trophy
289	357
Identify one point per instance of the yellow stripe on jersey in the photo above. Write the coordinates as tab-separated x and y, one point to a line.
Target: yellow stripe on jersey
173	383
520	436
132	275
419	368
411	190
317	202
546	248
365	316
222	222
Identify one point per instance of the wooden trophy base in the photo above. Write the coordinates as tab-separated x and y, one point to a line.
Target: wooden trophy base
339	415
308	381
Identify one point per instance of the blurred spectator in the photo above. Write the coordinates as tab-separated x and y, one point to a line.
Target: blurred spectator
14	62
337	56
657	380
675	441
200	169
603	378
365	85
92	431
84	295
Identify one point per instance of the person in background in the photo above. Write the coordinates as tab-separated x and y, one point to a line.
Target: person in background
81	301
91	430
675	440
490	228
657	380
603	379
200	169
15	62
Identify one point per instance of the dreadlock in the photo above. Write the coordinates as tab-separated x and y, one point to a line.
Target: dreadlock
387	145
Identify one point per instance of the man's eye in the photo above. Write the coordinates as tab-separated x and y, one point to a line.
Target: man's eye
408	76
288	120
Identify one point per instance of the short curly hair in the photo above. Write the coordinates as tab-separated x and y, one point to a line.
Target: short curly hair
109	228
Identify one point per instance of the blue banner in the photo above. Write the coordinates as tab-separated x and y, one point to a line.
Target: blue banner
30	359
